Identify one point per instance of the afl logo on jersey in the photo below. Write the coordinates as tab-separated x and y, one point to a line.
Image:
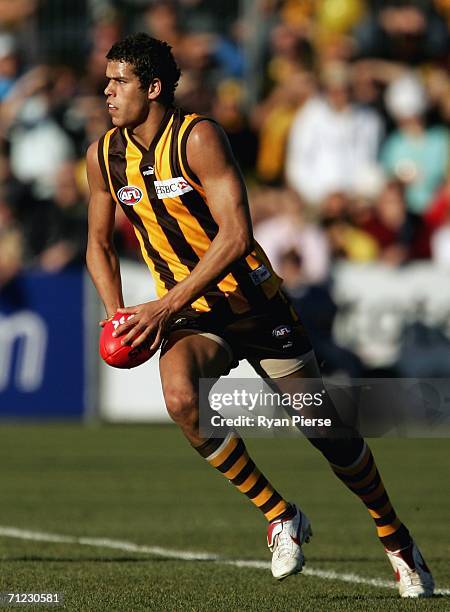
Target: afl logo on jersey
129	195
281	331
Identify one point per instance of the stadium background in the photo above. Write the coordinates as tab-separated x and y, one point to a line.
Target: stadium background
337	112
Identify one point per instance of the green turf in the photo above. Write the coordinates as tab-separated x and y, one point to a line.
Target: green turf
144	484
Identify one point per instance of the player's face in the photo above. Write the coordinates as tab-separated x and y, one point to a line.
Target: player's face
127	102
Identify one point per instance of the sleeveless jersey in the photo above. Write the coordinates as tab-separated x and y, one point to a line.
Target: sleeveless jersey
167	206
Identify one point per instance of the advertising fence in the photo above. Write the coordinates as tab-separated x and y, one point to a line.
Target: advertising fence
49	363
43	351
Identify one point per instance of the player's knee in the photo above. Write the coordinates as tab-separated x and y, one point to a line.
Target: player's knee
182	405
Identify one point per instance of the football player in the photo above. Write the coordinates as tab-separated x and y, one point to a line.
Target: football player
219	300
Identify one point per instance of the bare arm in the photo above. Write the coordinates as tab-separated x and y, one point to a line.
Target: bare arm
210	158
101	258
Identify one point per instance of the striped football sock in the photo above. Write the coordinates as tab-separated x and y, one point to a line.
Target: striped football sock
230	457
363	479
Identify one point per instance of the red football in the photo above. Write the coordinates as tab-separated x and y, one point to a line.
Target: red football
115	353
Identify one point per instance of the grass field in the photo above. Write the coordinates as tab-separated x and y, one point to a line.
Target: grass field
113	487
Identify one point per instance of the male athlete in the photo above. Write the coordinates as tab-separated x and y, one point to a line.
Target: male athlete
219	300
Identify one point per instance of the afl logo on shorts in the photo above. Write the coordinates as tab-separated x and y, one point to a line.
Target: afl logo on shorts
281	331
129	195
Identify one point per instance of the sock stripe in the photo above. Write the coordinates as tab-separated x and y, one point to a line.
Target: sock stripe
388	530
281	507
250	481
230	457
243	474
361	474
371	487
363	479
234	453
356	466
257	487
378	502
381	511
401	538
237	467
209	447
263	497
271	502
390	517
369	496
366	482
223	453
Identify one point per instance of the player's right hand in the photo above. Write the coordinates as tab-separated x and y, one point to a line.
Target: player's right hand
103	322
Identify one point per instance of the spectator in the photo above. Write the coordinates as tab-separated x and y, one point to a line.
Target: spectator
349	242
66	222
339	15
439	209
273	118
330	139
228	110
290	231
162	22
391	226
437	84
9	64
11	243
104	32
322	142
195	91
408	31
19	19
346	239
38	143
415	154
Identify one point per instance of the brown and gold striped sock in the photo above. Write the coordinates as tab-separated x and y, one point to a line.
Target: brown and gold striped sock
230	457
363	479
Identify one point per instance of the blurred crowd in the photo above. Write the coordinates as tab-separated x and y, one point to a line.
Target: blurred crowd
337	111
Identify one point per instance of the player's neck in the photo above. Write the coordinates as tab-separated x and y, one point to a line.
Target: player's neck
146	131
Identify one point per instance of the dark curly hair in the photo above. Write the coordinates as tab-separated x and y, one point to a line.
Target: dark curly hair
150	59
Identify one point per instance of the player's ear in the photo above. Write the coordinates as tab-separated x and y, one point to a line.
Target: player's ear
154	89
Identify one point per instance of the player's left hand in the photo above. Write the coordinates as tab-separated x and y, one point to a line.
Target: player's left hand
149	319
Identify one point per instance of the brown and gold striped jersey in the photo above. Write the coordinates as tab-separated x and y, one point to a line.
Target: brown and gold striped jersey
167	206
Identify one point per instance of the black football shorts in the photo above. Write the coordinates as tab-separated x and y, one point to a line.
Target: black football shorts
272	338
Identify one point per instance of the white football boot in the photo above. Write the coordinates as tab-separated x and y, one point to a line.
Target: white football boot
411	572
285	538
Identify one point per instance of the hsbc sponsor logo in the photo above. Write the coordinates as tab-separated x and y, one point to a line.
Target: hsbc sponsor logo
129	195
171	188
281	331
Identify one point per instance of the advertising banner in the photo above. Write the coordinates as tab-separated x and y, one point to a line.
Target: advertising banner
42	347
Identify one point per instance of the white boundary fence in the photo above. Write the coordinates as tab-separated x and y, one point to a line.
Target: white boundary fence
374	304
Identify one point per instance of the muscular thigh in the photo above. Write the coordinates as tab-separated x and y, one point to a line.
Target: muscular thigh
319	405
187	357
